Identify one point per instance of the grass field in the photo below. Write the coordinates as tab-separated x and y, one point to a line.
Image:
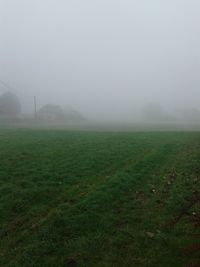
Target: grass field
99	199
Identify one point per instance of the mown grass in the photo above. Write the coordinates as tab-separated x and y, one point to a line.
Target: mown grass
99	199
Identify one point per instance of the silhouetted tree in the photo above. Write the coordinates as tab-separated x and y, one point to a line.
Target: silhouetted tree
190	115
9	105
155	112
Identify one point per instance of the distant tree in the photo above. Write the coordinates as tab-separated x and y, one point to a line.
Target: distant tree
190	115
154	112
9	105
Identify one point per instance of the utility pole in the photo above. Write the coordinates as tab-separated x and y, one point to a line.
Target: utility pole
35	107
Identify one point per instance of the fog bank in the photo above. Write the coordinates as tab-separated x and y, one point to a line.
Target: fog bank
108	59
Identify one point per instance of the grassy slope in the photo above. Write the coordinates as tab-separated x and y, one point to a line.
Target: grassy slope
99	199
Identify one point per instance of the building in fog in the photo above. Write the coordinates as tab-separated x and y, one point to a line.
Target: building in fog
55	113
51	112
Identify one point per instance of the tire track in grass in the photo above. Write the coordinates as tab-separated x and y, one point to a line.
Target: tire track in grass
76	193
89	216
73	189
168	161
176	204
98	200
23	225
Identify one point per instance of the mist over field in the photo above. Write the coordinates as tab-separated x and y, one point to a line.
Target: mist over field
109	60
100	133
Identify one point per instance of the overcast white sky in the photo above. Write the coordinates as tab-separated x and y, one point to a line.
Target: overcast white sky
104	57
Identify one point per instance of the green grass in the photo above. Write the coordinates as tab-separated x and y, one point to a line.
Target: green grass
99	199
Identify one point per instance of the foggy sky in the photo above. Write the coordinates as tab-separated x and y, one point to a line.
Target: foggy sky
103	57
